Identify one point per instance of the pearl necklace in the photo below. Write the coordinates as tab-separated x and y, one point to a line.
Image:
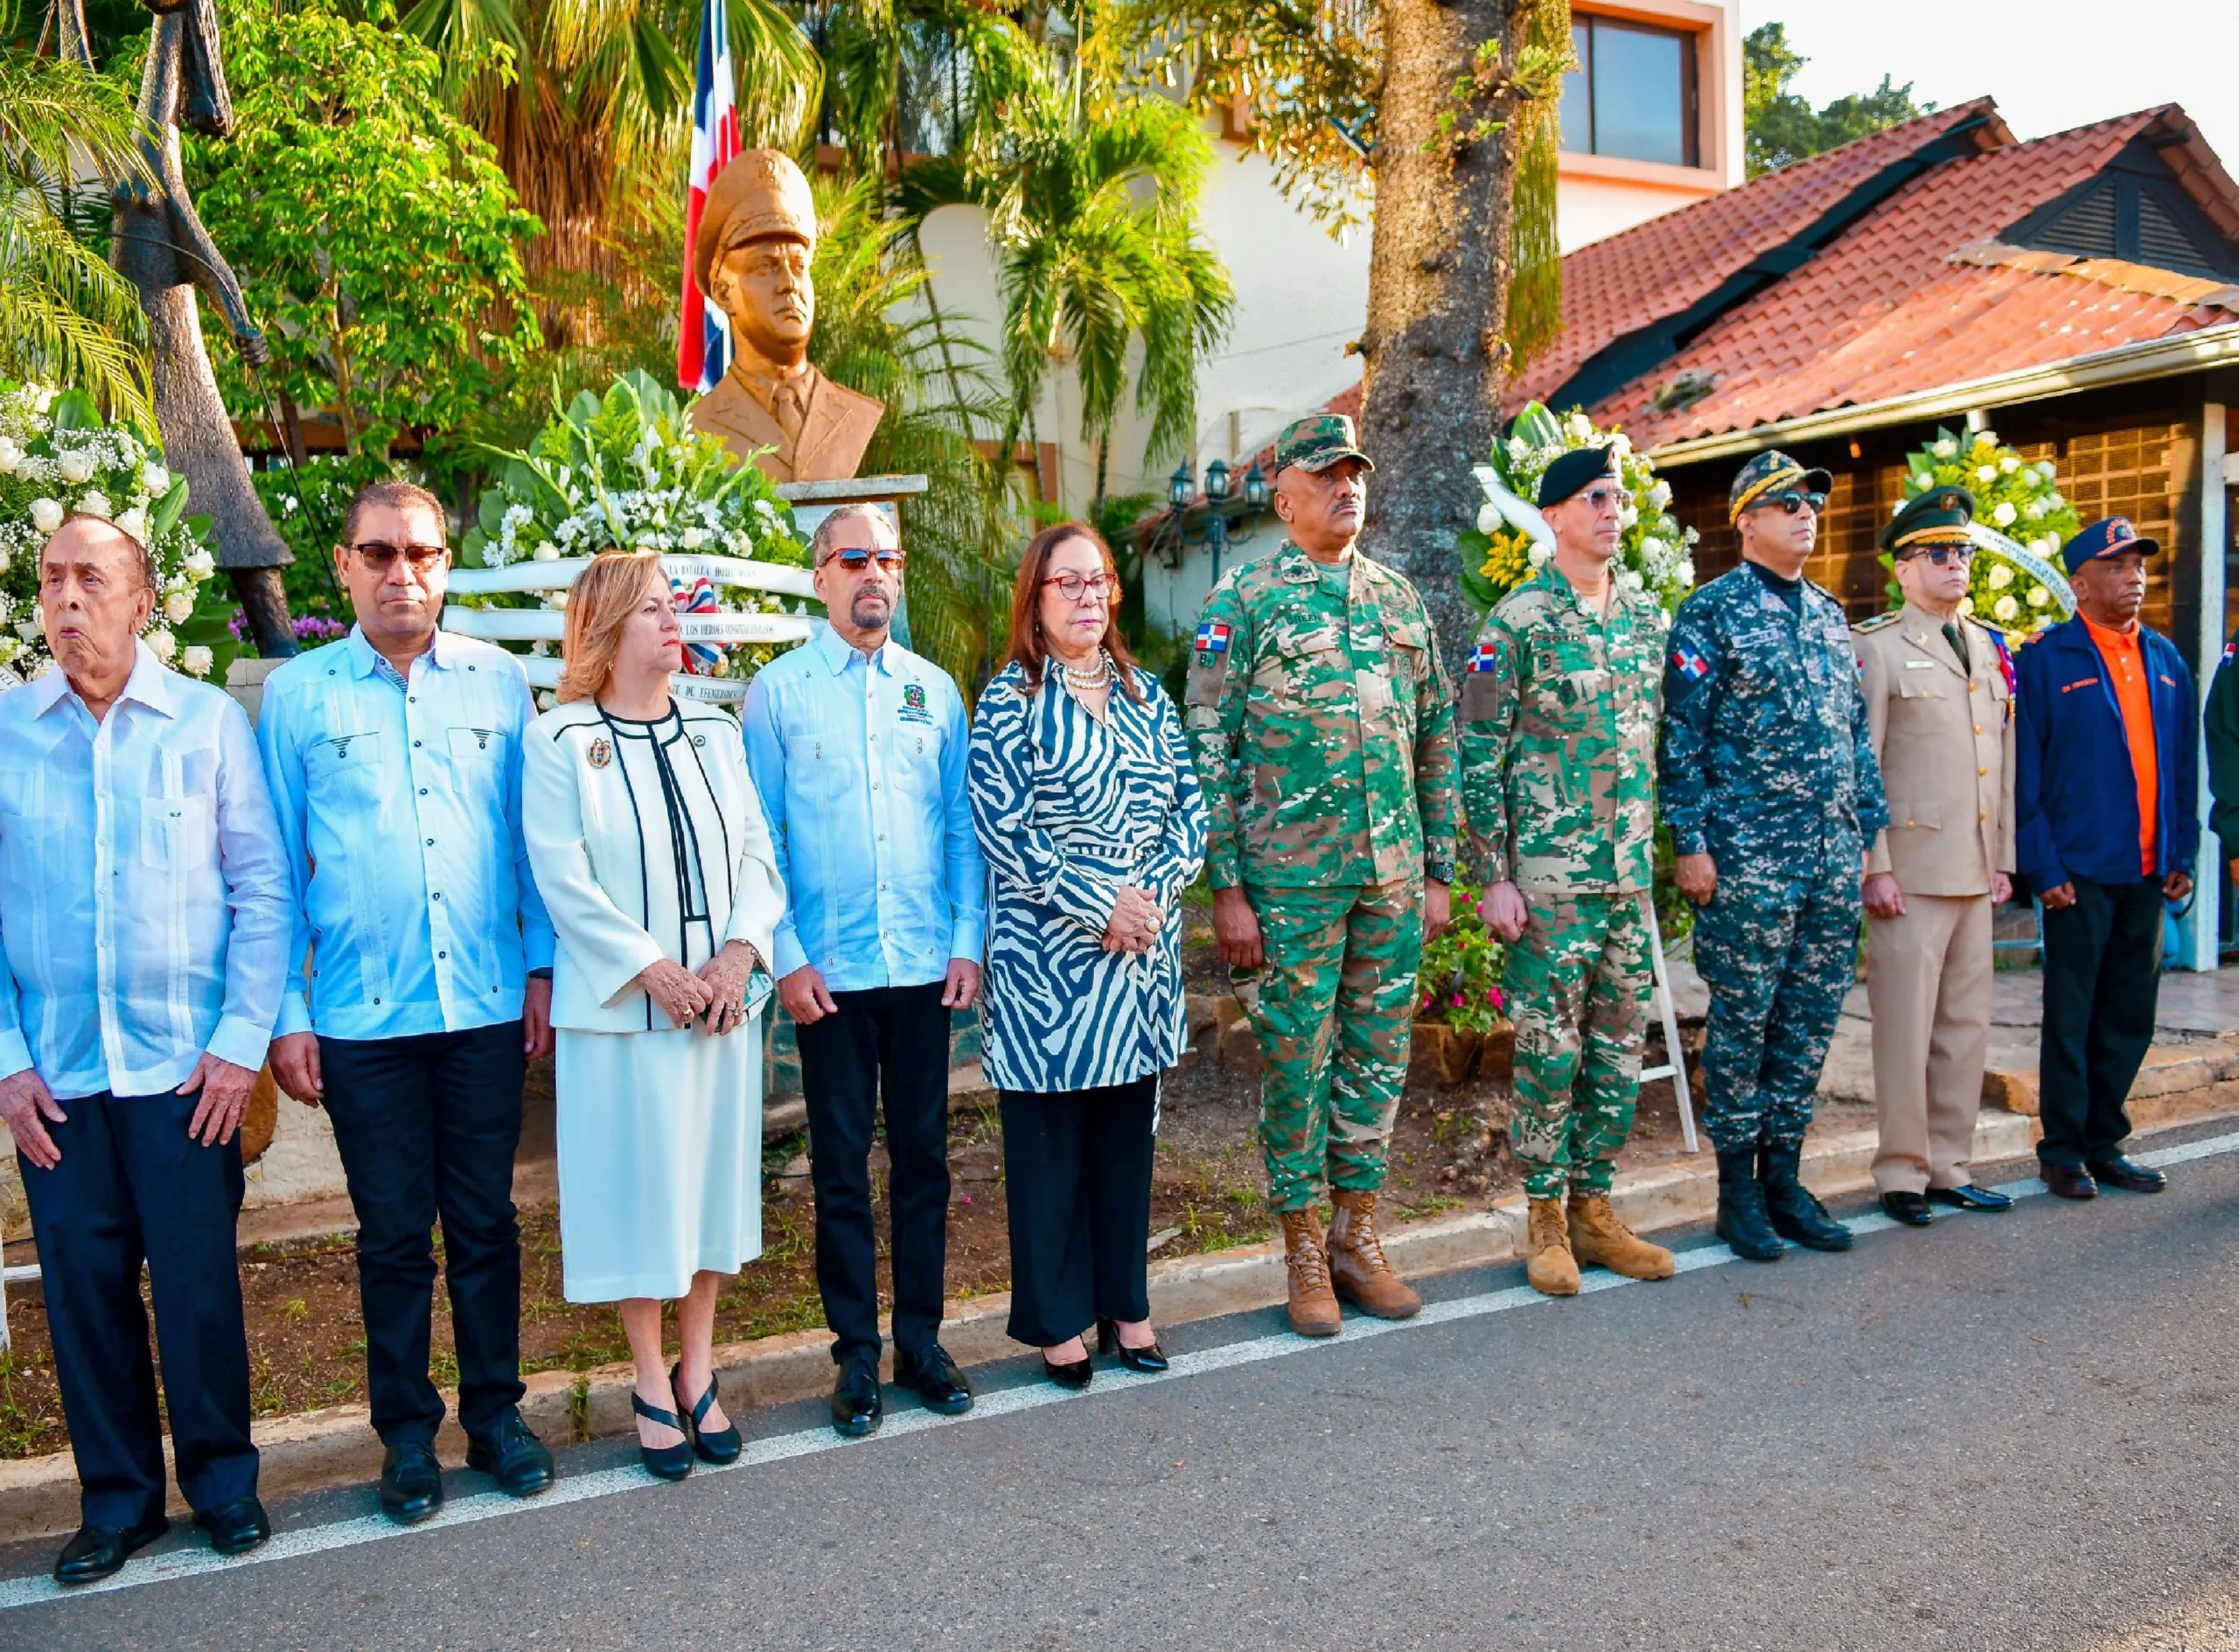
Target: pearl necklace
1098	676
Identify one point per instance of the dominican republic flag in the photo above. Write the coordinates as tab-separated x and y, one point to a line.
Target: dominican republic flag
1484	657
1689	665
1212	637
699	597
703	337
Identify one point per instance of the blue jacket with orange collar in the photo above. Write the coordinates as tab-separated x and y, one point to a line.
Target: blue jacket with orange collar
2075	802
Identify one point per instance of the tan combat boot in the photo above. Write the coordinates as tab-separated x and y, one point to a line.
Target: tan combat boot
1551	1267
1598	1236
1357	1269
1314	1306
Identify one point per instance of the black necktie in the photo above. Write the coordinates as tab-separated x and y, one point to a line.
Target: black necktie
1957	638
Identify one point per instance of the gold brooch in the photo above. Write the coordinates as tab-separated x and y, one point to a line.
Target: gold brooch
601	754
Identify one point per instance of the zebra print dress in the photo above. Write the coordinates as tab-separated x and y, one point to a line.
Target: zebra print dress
1067	809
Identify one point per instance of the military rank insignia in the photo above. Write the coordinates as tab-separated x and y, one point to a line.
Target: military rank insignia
1212	638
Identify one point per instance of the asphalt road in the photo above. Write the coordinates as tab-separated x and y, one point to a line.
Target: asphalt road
2006	1432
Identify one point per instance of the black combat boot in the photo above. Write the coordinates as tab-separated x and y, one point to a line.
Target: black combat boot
1796	1214
1742	1220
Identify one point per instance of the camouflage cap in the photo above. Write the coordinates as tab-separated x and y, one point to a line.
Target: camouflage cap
1769	475
1318	443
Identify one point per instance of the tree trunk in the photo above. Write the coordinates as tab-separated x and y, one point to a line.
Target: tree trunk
1435	362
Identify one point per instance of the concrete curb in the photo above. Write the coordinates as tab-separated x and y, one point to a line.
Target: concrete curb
315	1451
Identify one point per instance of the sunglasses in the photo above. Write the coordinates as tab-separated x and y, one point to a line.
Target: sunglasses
1789	503
381	556
1607	498
1944	555
1074	587
856	558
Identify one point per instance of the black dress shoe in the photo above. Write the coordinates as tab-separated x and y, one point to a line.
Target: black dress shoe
2130	1177
721	1445
412	1482
2068	1180
1911	1209
98	1552
931	1374
237	1528
1970	1197
662	1462
513	1456
1150	1358
1075	1373
857	1407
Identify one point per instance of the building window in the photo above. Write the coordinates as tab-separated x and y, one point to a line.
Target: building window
1633	93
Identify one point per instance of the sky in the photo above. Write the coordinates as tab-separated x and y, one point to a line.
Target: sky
2051	64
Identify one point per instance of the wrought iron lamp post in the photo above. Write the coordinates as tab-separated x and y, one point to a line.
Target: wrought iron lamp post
1220	530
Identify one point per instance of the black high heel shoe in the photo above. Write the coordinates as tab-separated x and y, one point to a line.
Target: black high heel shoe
1150	1359
1073	1374
721	1447
663	1462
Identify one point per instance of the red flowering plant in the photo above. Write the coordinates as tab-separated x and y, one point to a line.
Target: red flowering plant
1459	981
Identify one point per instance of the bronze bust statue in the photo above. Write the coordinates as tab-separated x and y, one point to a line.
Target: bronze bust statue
751	258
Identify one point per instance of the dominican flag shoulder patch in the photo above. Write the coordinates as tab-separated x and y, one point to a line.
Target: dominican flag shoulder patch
1690	664
1212	638
1485	657
2230	653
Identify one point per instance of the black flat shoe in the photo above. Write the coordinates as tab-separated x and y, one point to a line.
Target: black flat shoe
513	1457
237	1528
932	1377
1970	1197
663	1462
720	1448
1911	1209
412	1482
2128	1175
1073	1374
857	1407
2068	1180
1150	1358
100	1551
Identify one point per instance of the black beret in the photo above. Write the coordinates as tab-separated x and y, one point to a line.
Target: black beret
1570	474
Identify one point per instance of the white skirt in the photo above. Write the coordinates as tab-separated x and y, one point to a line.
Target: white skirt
661	1159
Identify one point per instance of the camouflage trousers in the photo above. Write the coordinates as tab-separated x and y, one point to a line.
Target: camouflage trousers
1578	986
1778	953
1333	1008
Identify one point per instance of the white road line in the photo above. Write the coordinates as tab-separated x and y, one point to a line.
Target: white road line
459	1511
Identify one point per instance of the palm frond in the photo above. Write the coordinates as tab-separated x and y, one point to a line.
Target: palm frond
72	320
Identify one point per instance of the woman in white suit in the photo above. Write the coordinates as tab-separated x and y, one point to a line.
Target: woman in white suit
652	854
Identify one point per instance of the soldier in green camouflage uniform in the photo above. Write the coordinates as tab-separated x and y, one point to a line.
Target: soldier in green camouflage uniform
1321	722
1558	740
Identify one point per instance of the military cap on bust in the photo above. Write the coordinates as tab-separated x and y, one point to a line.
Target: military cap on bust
1769	475
2109	536
1569	474
1937	517
760	195
1316	443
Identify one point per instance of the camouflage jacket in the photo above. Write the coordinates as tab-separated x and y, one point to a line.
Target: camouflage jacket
1321	727
1558	739
1768	763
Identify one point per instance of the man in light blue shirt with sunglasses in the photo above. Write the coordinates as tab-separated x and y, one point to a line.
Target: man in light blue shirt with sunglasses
857	747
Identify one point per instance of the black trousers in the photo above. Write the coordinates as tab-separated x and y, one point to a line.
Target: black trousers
1076	1176
2102	979
891	1041
428	1126
134	1187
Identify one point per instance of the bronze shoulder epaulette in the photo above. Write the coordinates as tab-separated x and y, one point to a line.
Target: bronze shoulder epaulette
1880	622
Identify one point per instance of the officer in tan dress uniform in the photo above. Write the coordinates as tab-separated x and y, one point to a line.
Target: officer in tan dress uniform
1940	706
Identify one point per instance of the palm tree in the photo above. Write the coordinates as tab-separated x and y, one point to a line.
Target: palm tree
71	318
1093	213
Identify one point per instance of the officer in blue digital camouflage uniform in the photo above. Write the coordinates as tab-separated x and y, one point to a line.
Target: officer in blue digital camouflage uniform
1769	786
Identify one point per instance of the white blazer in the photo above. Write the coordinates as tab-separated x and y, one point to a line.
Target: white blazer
597	820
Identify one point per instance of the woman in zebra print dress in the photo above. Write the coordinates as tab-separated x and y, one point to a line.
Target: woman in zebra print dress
1089	815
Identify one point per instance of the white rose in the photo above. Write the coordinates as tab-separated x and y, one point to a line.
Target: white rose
3	560
1986	473
1628	516
75	467
546	699
198	565
555	599
197	661
1538	554
135	522
2001	576
11	457
2039	597
548	552
1687	571
1922	481
1966	604
1660	495
162	644
154	478
2005	607
1945	449
1488	518
47	515
2004	513
692	539
1630	580
1985	438
93	502
1621	443
2010	464
178	607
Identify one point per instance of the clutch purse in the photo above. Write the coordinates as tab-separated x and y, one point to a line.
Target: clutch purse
759	986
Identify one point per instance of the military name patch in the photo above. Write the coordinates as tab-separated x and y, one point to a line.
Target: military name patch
1212	638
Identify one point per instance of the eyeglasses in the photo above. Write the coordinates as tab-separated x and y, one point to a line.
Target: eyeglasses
1789	503
1078	587
381	556
1943	556
1607	498
856	558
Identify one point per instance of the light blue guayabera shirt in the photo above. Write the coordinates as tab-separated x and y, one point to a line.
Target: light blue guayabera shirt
860	765
144	916
399	801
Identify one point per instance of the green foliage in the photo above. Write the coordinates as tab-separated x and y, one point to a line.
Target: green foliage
1782	127
69	317
375	236
1460	980
2018	497
876	55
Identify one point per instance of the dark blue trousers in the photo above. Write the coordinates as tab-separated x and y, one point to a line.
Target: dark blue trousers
428	1126
133	1186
